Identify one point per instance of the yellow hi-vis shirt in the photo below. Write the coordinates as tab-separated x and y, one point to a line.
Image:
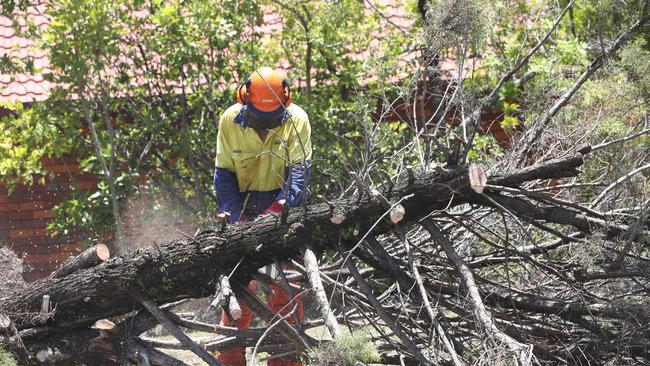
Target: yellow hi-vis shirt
260	165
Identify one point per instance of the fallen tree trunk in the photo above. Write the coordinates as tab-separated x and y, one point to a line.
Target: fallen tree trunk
188	268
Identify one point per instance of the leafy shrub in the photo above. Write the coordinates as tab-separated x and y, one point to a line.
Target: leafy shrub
6	359
345	351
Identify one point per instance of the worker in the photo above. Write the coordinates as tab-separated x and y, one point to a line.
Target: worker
263	161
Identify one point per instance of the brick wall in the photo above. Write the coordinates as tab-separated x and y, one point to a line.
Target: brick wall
25	213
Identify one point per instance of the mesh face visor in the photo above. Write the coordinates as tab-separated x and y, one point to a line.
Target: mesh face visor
262	123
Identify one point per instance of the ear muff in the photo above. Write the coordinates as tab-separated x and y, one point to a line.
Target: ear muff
243	93
287	93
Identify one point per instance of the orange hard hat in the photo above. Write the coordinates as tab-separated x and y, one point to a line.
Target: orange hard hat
266	93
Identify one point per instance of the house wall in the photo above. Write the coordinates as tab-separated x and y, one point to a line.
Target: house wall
26	212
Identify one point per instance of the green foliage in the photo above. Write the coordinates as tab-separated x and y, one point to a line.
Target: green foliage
90	214
104	53
321	41
153	78
345	351
319	38
485	148
27	136
6	359
458	25
634	62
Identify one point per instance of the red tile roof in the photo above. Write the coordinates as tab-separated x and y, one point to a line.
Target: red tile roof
24	87
28	87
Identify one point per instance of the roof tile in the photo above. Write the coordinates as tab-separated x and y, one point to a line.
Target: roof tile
29	88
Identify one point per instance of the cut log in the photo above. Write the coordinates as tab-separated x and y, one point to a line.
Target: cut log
225	299
105	325
83	298
88	258
397	213
477	178
337	219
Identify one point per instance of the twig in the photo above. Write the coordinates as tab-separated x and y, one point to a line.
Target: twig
620	180
388	320
541	122
262	310
176	331
281	319
482	315
425	299
618	141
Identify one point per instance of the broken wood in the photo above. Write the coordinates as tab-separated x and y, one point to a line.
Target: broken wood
44	314
5	323
313	275
223	218
88	258
153	309
226	299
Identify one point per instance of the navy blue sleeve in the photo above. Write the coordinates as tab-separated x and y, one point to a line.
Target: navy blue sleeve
227	189
299	189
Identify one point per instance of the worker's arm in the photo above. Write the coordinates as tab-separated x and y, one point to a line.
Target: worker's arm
225	180
299	147
227	188
299	188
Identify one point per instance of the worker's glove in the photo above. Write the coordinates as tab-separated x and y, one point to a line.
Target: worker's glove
275	208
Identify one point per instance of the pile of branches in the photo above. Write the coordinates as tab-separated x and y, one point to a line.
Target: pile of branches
440	264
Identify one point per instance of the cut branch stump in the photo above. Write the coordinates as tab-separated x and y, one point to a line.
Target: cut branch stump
88	258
